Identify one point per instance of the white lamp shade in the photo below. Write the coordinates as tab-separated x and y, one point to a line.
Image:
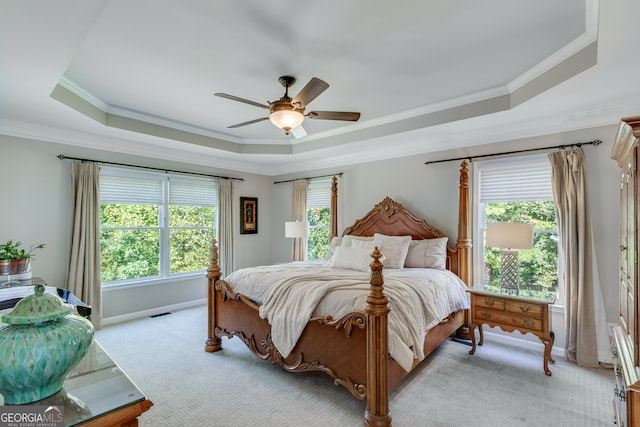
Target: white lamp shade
295	229
509	235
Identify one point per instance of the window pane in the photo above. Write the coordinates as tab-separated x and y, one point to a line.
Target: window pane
537	267
185	216
129	253
120	215
318	241
189	249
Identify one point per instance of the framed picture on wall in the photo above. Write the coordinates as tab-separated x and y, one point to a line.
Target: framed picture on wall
248	215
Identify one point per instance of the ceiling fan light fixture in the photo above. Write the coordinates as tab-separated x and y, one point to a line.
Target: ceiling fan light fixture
286	119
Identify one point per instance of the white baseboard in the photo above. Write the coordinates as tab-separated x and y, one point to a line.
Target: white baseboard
152	312
516	342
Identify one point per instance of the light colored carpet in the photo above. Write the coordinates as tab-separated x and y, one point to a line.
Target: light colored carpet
498	386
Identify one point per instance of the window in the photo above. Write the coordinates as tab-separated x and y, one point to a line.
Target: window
319	216
154	226
519	190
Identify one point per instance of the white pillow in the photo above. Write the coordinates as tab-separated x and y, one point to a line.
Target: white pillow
349	240
394	249
428	253
351	258
366	243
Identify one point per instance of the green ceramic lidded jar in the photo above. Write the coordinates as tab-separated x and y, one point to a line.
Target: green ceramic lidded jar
40	343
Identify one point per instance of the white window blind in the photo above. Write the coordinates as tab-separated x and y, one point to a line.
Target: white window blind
125	190
515	181
145	188
319	193
192	194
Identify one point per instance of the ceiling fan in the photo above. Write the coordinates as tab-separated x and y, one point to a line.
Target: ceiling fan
287	113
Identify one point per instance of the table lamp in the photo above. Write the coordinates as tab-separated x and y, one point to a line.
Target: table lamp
509	237
296	230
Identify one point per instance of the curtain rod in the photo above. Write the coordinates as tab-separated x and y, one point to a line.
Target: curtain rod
63	157
313	177
595	142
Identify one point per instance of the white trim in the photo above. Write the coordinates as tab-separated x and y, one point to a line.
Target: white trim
151	281
518	342
152	312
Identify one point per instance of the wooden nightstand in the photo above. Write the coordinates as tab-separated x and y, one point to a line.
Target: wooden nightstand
512	313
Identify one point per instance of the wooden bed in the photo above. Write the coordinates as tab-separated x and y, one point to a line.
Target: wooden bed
354	348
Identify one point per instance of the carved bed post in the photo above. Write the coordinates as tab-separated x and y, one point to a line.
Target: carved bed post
333	220
463	243
213	343
377	412
464	227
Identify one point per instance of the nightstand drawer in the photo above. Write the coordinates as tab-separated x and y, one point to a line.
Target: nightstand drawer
531	310
489	302
504	318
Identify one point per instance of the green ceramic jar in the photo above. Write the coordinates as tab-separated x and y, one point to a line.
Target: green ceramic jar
40	343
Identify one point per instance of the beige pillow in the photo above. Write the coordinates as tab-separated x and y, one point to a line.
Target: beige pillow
351	258
428	253
393	248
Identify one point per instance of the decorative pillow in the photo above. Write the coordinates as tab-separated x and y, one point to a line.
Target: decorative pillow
335	242
366	243
351	258
429	253
394	249
348	240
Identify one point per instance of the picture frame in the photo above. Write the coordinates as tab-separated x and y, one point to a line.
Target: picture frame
248	215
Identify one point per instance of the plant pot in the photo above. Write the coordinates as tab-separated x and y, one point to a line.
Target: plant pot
20	265
5	267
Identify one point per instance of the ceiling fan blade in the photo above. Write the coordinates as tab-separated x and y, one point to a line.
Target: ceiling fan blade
246	101
308	93
299	131
334	115
250	122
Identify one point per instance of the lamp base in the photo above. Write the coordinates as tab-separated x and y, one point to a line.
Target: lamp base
509	272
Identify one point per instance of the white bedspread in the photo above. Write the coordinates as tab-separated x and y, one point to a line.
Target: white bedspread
289	294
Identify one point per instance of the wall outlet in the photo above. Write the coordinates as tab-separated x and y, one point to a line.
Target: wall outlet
610	326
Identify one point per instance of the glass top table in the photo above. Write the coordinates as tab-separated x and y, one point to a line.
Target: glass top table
98	392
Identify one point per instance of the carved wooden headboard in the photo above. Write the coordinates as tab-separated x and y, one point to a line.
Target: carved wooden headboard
390	218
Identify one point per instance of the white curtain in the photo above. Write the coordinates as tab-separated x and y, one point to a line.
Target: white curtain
586	337
299	213
225	225
83	277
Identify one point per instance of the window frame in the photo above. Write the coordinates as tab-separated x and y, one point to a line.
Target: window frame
479	219
164	227
319	196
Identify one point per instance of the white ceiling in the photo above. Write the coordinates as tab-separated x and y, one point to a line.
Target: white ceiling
139	77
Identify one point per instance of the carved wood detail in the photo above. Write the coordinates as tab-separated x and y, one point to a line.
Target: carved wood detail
272	354
359	391
355	319
377	309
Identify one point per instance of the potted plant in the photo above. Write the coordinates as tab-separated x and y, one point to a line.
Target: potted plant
14	259
8	252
